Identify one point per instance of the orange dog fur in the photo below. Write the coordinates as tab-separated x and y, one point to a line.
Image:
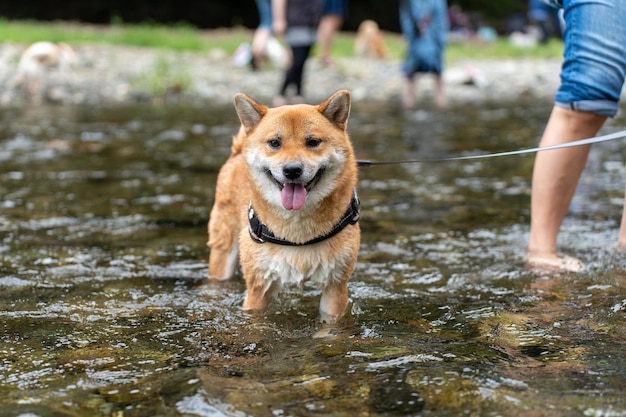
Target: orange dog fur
369	41
295	166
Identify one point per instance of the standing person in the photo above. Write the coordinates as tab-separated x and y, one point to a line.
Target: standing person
297	21
424	25
262	34
592	76
545	17
333	15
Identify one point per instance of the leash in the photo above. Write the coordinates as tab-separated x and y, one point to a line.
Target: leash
581	142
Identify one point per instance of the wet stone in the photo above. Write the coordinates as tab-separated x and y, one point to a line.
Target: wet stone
394	395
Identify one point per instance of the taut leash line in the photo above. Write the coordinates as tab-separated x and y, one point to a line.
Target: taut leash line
581	142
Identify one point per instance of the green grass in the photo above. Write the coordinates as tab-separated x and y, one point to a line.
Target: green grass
179	37
183	37
500	49
168	76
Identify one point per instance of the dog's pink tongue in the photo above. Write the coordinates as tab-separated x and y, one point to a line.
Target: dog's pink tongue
293	196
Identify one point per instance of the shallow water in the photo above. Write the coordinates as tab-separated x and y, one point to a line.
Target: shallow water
106	311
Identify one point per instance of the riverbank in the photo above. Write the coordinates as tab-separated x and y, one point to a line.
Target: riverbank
108	74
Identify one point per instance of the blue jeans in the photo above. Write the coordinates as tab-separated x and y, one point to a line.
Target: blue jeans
594	66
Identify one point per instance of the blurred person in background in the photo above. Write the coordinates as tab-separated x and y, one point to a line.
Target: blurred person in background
297	22
546	18
263	32
333	15
424	25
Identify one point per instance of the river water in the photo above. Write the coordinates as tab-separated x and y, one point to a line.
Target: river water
105	310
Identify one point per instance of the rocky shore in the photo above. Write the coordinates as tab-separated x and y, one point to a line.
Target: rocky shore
107	74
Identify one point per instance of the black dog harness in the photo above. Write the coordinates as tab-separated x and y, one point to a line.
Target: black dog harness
261	234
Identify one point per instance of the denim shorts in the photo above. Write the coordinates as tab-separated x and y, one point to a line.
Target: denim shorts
554	3
264	8
594	65
338	7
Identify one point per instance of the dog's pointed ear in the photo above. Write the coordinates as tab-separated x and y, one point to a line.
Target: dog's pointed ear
336	108
249	111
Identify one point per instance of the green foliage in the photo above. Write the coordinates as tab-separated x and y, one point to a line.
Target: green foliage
169	75
29	31
226	39
343	45
501	49
184	37
179	37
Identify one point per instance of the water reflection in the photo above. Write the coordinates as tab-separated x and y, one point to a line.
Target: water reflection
106	312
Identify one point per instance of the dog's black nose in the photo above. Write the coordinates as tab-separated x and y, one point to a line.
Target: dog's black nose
292	171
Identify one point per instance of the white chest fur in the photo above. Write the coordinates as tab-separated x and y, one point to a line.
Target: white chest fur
295	265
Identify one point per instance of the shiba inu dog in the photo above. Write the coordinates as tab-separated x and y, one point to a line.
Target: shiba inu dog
286	201
369	42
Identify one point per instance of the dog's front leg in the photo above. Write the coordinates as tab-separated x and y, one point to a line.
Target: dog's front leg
334	301
259	292
224	246
222	262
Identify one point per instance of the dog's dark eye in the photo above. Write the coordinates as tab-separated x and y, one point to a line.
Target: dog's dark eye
274	143
313	143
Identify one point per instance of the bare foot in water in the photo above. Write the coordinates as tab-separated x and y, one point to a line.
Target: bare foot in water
553	260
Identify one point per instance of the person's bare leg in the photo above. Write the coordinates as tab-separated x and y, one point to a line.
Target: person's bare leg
555	177
408	96
621	239
440	94
328	26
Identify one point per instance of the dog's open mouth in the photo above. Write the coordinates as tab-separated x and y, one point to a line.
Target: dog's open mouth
293	194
